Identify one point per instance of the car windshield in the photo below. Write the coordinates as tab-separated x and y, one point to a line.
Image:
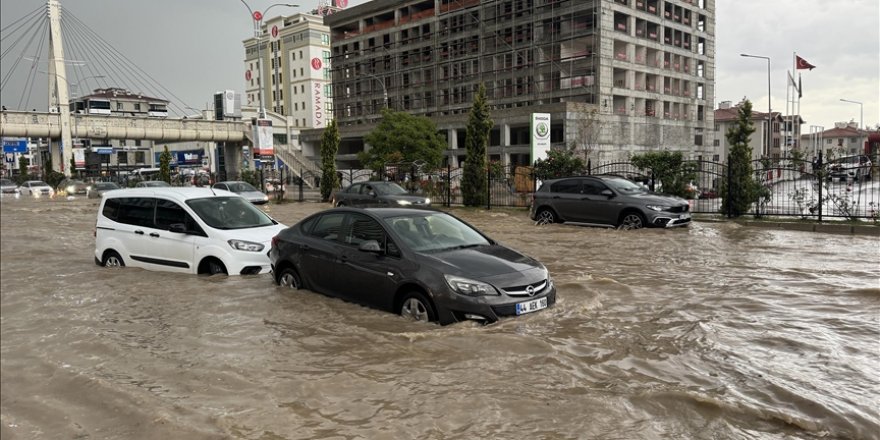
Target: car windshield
435	232
238	187
229	213
624	186
37	183
6	182
388	189
106	185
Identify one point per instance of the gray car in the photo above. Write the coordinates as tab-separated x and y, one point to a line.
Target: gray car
8	188
379	194
607	201
243	189
99	188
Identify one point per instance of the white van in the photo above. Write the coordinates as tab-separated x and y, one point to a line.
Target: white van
190	230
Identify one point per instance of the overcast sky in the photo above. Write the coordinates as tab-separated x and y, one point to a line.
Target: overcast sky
194	48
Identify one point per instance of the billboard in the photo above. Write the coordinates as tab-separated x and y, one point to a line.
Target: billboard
79	158
540	136
263	142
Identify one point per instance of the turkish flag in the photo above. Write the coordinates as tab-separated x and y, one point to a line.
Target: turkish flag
801	63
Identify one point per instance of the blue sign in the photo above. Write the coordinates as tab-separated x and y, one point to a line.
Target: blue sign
14	145
103	150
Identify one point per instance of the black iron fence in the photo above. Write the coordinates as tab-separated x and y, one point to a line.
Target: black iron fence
847	187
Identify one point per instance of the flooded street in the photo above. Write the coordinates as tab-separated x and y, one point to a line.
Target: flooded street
717	331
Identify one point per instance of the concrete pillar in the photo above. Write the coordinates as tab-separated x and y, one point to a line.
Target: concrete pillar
232	159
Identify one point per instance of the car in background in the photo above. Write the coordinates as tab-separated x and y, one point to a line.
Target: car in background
183	229
853	168
99	188
70	187
36	188
606	201
422	264
152	184
243	189
8	188
378	194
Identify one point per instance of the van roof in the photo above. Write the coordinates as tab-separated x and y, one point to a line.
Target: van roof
175	192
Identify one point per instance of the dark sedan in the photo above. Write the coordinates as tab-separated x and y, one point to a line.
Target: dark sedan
377	194
607	201
424	265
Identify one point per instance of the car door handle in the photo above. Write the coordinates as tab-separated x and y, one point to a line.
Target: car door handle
343	258
153	234
139	232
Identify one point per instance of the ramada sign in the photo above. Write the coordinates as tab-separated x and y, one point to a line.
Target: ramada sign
319	106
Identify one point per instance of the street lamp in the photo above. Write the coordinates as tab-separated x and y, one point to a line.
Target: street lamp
381	83
257	16
861	114
769	112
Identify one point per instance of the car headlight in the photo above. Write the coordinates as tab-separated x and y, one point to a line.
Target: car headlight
658	207
469	287
247	246
70	189
427	201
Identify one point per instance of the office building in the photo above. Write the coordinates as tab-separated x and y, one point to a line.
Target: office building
618	77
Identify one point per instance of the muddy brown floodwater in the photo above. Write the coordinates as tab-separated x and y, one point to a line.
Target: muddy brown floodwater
713	332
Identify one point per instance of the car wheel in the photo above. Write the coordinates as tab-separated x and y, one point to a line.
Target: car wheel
215	267
340	204
632	220
289	278
416	307
112	259
545	216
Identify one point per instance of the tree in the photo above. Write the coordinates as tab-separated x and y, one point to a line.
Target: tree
589	131
165	166
738	187
559	163
23	175
401	137
670	168
474	179
329	148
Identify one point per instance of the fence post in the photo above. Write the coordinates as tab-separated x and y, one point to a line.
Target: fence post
589	167
448	184
820	174
729	188
651	182
488	185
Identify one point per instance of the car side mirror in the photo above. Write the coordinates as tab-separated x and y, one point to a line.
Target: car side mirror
607	193
370	246
179	228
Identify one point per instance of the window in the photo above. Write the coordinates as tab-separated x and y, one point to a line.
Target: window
569	186
122	158
594	187
140	157
119	106
363	228
327	226
137	106
169	213
136	211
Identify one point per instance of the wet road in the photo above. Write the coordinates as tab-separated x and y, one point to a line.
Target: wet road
713	332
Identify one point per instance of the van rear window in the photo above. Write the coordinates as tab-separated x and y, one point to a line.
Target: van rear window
111	209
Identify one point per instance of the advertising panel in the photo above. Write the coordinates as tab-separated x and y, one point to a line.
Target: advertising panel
263	142
540	136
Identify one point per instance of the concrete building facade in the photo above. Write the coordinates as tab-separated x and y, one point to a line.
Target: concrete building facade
618	77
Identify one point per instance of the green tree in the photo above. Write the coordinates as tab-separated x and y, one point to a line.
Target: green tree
329	148
165	166
669	168
738	187
252	177
23	175
474	180
72	165
402	137
559	163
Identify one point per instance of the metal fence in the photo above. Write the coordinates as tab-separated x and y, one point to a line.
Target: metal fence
847	187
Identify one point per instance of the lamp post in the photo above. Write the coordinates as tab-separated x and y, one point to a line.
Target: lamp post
257	16
861	114
769	112
384	90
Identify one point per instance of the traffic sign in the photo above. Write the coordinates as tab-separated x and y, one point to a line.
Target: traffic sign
258	15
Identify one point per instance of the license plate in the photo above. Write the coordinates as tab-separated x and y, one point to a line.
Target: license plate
531	306
684	216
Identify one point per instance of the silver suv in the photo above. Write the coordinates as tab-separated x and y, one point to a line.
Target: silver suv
606	201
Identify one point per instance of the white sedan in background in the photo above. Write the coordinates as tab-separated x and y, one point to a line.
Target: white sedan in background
36	188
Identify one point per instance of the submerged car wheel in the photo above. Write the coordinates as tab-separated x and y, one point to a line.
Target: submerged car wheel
112	259
214	267
289	278
545	216
416	307
632	220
